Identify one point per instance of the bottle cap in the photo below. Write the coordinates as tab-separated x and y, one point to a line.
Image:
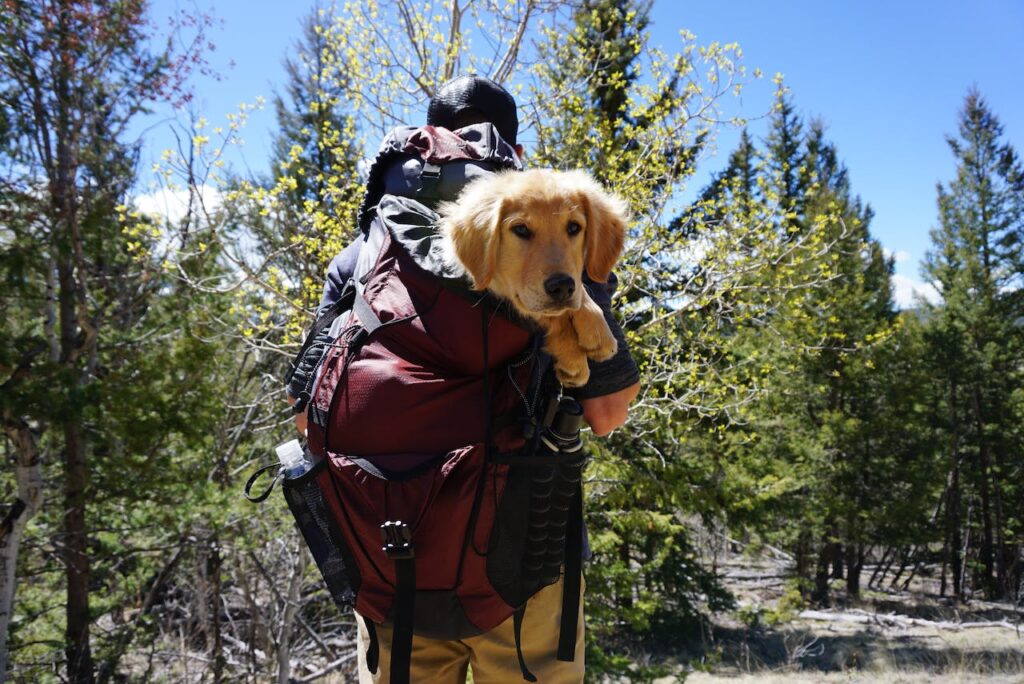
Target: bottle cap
569	417
290	453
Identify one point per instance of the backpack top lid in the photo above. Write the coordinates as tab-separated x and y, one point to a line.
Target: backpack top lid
458	156
479	98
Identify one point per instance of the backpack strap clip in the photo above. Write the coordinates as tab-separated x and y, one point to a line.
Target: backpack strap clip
397	540
430	181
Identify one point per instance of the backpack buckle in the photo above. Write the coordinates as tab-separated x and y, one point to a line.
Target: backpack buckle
397	540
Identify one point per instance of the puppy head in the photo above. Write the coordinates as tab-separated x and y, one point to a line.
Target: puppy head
606	216
528	236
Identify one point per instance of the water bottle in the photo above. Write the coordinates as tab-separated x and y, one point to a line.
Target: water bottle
295	462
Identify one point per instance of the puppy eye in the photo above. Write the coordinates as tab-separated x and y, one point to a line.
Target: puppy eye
573	228
520	230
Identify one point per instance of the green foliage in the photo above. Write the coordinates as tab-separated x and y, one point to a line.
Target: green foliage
974	341
782	393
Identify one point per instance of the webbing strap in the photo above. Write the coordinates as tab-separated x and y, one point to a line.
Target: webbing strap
573	578
373	648
367	318
405	605
430	181
517	627
261	497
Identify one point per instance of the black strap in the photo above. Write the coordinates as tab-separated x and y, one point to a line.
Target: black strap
517	626
373	648
430	180
405	606
489	450
573	578
259	498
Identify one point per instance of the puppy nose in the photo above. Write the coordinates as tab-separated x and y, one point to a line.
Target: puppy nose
560	286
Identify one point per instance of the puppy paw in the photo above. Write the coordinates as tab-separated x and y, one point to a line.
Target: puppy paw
593	334
572	372
598	342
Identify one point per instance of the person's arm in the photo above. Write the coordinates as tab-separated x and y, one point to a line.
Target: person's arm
614	383
300	417
610	411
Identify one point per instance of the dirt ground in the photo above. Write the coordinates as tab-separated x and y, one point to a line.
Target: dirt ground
891	635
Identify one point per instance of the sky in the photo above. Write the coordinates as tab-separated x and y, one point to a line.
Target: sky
887	79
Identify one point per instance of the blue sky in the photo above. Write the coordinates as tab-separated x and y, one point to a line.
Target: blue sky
887	78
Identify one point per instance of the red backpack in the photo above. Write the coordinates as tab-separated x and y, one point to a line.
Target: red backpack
447	490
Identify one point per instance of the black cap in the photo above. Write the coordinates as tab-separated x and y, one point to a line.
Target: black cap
484	97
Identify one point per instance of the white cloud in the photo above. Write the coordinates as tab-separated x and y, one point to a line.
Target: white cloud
908	292
898	256
172	205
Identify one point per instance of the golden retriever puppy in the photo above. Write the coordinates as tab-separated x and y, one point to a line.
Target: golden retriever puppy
527	237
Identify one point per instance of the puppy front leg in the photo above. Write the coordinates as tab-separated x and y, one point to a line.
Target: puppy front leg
592	331
561	342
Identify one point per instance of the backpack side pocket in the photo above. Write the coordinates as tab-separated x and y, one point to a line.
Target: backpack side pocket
323	537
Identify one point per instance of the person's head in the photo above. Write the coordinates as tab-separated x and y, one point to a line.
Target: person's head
469	100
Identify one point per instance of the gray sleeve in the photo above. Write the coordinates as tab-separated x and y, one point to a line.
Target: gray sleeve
342	268
620	371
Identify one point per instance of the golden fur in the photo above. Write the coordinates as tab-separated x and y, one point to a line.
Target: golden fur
527	237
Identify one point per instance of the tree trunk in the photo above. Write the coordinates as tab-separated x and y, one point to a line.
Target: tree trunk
821	574
77	340
878	568
987	575
626	601
839	554
76	556
291	611
803	573
953	522
29	476
904	557
854	563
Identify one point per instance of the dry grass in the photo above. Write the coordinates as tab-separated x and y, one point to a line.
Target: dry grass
764	641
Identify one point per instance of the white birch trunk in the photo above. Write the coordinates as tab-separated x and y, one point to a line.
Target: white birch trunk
29	476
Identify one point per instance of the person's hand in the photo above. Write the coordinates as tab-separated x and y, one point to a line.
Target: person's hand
610	411
300	418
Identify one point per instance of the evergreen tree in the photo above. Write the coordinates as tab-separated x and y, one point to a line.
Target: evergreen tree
785	155
975	264
808	440
313	143
104	401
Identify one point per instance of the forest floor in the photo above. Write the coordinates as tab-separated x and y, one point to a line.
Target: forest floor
890	635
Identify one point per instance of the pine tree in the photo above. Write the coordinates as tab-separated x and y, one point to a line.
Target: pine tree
785	156
810	433
975	264
104	393
313	144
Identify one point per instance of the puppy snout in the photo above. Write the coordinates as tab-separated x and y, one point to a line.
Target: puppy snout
560	287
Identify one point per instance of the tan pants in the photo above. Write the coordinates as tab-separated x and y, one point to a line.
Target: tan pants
492	655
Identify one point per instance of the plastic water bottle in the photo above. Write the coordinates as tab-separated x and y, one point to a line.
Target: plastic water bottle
294	461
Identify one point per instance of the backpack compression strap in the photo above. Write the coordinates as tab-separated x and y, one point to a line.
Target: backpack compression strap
398	547
573	576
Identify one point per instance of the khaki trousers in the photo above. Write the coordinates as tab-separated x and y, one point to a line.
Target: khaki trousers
492	655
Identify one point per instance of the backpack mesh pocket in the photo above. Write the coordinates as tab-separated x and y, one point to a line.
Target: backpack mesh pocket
318	528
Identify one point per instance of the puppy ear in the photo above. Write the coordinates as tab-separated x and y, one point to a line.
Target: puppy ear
607	216
472	226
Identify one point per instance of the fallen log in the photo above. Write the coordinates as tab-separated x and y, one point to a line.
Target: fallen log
894	620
